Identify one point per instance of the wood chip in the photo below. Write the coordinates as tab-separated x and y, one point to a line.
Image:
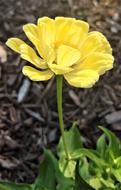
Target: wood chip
74	97
23	91
3	55
8	163
113	117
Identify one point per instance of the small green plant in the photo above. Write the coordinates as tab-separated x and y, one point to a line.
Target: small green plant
66	49
86	169
100	168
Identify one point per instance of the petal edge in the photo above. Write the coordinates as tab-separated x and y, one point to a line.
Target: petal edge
36	75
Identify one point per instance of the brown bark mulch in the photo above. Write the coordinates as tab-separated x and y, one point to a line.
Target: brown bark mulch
28	113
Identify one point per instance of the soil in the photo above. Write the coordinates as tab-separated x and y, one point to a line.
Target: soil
28	112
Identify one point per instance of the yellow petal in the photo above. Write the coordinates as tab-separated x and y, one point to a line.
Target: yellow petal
59	69
33	29
67	56
70	31
63	26
50	54
82	79
37	75
78	33
47	30
14	44
95	42
99	62
32	32
45	20
36	34
37	43
29	54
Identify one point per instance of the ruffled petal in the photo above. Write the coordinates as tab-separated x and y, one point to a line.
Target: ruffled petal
14	44
59	69
47	30
36	75
29	54
70	31
36	34
95	42
78	33
82	79
63	26
99	62
32	32
67	56
38	44
33	29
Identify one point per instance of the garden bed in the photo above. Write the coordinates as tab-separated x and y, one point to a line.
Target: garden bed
28	113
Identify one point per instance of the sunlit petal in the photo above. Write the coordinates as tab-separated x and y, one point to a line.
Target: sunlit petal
95	42
47	30
14	44
64	47
29	54
59	69
63	26
67	56
82	79
70	31
100	62
37	35
37	75
32	28
33	33
78	33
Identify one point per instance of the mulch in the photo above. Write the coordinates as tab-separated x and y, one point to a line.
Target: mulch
28	112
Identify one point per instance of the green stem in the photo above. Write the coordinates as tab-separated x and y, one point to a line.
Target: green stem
59	79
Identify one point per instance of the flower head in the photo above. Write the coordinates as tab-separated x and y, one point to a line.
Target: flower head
64	46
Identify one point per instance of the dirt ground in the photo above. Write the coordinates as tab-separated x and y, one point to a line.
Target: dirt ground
28	113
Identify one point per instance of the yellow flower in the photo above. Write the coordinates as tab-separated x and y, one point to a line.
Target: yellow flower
64	46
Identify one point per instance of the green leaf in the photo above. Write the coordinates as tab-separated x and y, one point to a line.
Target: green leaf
95	182
67	167
46	177
106	189
13	186
101	146
39	187
117	174
73	141
117	162
81	184
91	154
63	182
84	168
64	187
118	186
114	147
108	183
